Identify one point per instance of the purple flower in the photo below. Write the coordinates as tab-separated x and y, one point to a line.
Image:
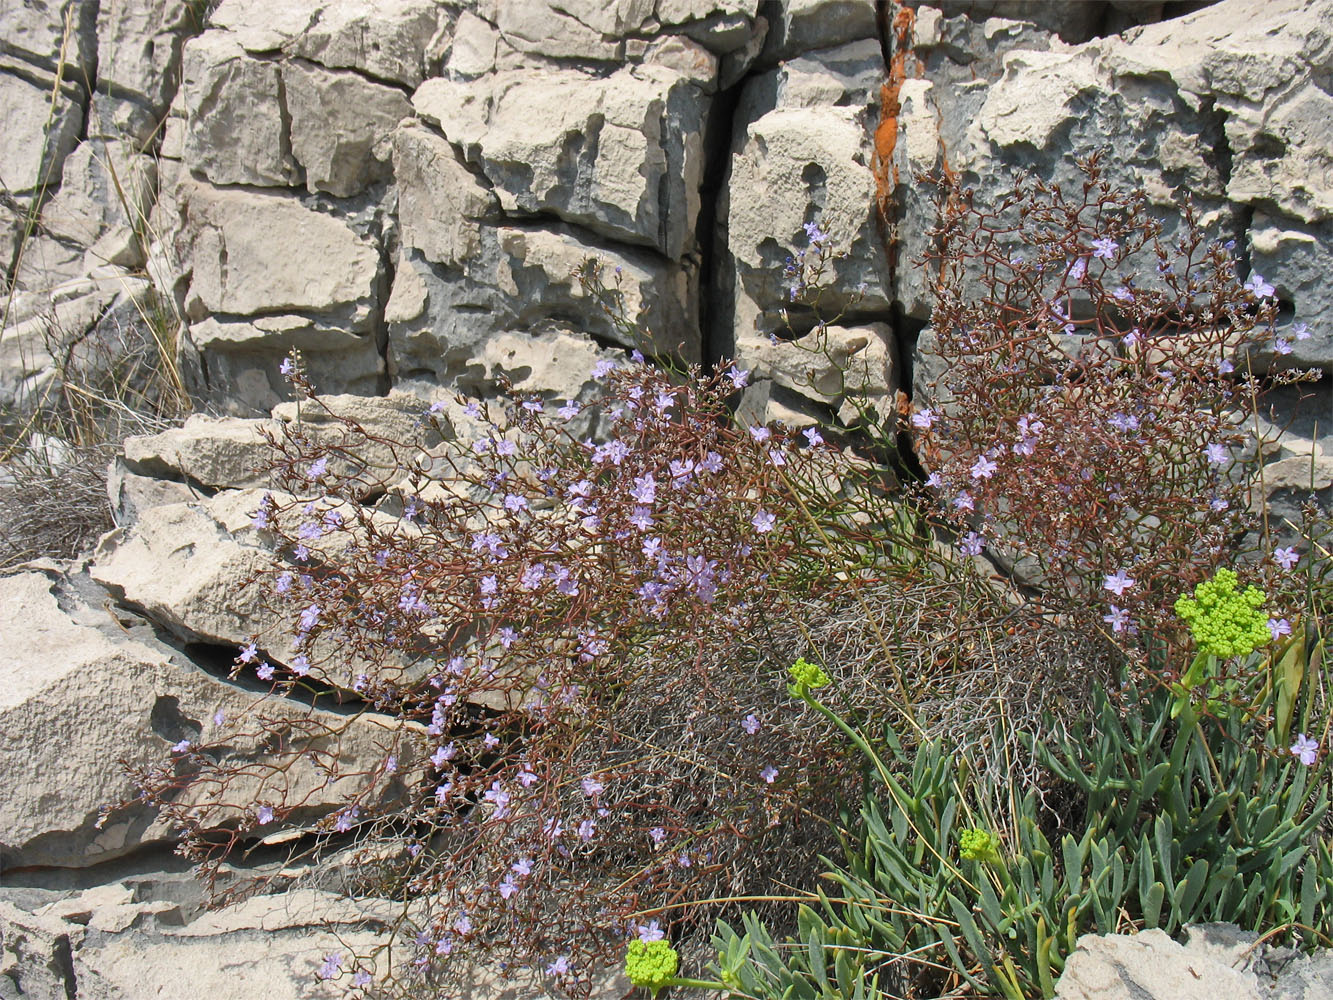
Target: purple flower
1218	504
813	437
283	583
522	867
1259	288
569	411
506	447
612	451
333	963
760	433
658	835
1286	558
651	931
182	747
739	379
644	490
508	887
559	967
491	741
964	501
219	717
1123	422
1078	269
443	754
1278	627
1300	331
345	819
971	544
763	522
488	585
681	471
1105	248
587	829
259	518
525	778
751	724
317	469
442	792
603	368
1217	453
983	468
553	828
362	978
1118	582
1305	749
496	795
264	815
288	365
924	419
264	672
532	577
248	654
1281	346
515	503
1118	619
768	774
712	463
309	618
592	787
1225	367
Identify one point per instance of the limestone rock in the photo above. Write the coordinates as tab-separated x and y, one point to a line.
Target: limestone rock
105	194
214	452
803	25
521	280
34	32
393	40
799	166
152	937
236	133
1216	960
114	693
1215	104
546	28
32	153
244	360
235	453
1296	259
621	155
201	570
139	45
256	252
826	366
440	201
341	126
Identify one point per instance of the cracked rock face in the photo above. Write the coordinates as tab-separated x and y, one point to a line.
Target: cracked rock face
403	190
85	689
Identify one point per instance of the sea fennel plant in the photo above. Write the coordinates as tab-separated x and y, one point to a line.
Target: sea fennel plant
1169	822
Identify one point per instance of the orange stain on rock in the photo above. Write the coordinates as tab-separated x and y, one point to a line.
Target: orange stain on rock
890	107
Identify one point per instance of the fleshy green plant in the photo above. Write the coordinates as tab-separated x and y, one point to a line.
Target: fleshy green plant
1181	821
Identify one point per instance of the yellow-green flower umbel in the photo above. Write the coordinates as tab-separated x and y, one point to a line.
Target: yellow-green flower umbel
651	964
977	844
1224	620
806	676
